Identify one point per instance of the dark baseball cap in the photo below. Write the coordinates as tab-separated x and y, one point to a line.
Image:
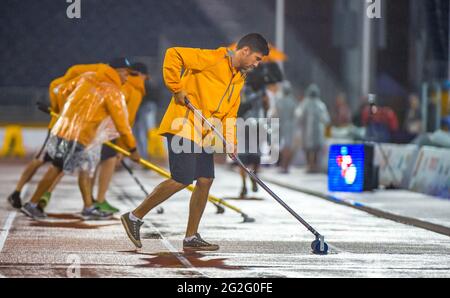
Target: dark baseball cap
119	62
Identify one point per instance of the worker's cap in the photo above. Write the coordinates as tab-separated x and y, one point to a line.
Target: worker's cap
119	62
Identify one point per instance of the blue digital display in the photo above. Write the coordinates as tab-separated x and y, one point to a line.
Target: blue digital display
346	168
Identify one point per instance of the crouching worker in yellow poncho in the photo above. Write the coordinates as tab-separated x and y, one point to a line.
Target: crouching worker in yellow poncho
92	97
56	103
212	80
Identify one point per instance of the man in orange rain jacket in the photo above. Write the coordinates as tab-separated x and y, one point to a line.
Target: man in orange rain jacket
133	90
212	80
93	97
56	103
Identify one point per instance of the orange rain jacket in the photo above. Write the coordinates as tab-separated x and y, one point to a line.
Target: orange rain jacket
212	85
93	97
133	90
56	99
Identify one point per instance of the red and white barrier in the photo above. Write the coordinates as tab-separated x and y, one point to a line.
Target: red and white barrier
431	172
395	163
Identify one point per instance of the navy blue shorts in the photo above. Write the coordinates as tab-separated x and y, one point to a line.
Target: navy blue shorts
250	158
185	167
108	152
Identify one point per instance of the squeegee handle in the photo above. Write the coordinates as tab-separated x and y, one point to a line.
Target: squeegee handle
250	173
218	133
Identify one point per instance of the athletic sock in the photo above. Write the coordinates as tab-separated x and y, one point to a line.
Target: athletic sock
16	193
190	238
132	217
89	208
34	205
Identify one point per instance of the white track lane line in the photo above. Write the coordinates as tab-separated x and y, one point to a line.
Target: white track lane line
5	230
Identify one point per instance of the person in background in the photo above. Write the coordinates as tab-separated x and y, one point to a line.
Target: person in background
285	105
413	121
342	115
253	106
313	117
146	115
381	122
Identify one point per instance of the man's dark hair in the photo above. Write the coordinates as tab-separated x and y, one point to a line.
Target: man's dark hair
256	42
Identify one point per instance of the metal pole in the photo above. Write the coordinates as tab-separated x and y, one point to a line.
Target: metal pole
424	107
197	113
366	50
438	106
279	27
448	38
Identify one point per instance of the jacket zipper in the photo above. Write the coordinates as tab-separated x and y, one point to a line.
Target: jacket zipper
223	96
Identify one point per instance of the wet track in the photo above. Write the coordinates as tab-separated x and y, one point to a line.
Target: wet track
276	245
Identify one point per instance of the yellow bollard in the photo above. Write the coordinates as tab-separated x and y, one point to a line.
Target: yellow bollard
155	144
13	142
445	110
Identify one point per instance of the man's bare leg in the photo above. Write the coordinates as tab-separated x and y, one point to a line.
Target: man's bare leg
254	184
84	182
161	193
46	182
57	180
244	182
285	159
290	157
105	173
89	212
197	204
316	161
28	173
95	177
45	199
